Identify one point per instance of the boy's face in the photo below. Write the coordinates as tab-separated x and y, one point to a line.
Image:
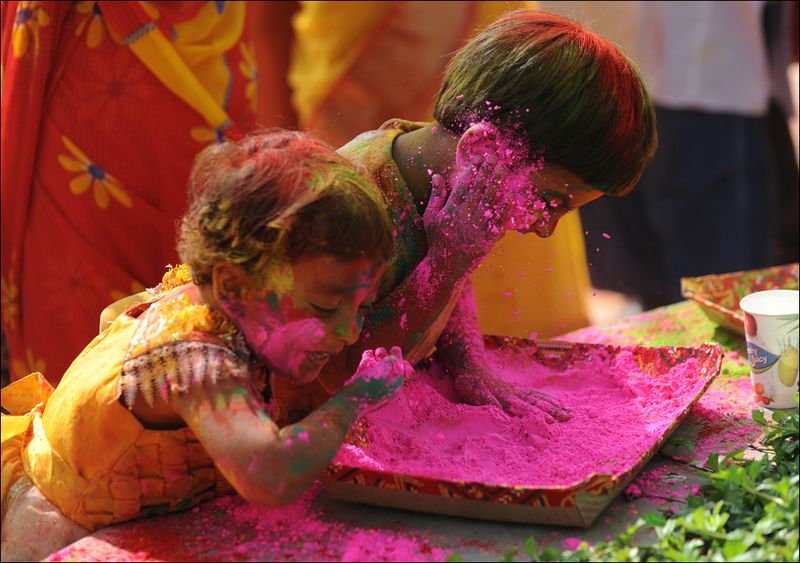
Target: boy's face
296	334
540	193
557	191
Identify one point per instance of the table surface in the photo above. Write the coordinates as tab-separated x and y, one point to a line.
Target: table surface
317	527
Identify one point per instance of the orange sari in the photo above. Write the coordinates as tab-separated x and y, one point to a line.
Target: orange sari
104	106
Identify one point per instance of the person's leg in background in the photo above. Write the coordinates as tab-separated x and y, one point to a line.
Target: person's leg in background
713	207
629	262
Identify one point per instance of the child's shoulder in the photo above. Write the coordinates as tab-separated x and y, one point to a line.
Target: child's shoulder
180	342
373	149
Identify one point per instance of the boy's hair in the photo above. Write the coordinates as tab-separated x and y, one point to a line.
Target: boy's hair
276	195
579	99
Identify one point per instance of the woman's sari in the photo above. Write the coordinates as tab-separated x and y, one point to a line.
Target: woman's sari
104	106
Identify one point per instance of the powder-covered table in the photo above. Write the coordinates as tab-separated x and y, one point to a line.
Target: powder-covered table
319	528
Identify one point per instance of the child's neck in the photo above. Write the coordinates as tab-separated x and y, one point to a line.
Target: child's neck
429	148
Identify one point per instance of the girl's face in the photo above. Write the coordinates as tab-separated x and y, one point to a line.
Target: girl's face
323	312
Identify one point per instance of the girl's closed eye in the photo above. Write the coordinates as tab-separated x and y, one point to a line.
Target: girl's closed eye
322	311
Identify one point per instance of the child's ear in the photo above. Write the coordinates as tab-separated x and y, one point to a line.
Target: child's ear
477	144
227	282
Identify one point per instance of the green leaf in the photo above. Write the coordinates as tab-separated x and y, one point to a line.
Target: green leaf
509	555
454	558
531	548
712	462
732	548
758	416
549	554
654	519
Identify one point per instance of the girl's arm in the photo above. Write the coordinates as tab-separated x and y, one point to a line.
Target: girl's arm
272	466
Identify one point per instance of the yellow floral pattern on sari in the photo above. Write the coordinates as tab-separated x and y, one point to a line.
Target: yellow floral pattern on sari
247	66
10	296
90	175
92	23
29	18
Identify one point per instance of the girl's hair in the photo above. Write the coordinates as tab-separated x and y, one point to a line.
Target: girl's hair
578	99
264	201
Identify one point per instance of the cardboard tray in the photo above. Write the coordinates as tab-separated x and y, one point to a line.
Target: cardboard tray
718	294
577	504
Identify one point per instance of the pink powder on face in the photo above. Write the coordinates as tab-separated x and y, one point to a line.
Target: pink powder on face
282	344
618	414
288	345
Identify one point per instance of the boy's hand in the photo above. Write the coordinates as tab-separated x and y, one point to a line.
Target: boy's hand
477	387
463	225
378	377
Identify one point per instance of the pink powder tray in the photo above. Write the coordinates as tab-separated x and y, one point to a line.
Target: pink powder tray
718	294
576	504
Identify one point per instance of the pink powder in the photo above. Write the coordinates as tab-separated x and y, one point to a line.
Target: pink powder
618	414
571	543
230	528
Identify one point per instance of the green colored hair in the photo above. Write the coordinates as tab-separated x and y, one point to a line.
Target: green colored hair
581	103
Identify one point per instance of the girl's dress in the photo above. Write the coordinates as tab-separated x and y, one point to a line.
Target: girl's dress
80	447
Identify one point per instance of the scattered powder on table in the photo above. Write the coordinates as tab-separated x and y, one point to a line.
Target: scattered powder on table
618	413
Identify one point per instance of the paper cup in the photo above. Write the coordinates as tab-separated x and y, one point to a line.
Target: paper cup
771	323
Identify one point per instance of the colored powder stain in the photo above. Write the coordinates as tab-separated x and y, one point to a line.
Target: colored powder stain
618	415
272	299
380	314
571	544
299	466
340	331
219	402
606	235
414	337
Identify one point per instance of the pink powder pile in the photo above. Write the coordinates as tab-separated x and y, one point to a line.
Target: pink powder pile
618	413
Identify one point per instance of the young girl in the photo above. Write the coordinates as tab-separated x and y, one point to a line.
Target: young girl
284	244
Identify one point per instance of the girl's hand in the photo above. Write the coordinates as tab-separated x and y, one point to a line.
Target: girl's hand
378	377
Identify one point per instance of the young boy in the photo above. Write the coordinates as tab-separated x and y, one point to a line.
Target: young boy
570	96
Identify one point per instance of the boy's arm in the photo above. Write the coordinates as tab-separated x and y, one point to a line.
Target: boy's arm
461	226
404	318
461	350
